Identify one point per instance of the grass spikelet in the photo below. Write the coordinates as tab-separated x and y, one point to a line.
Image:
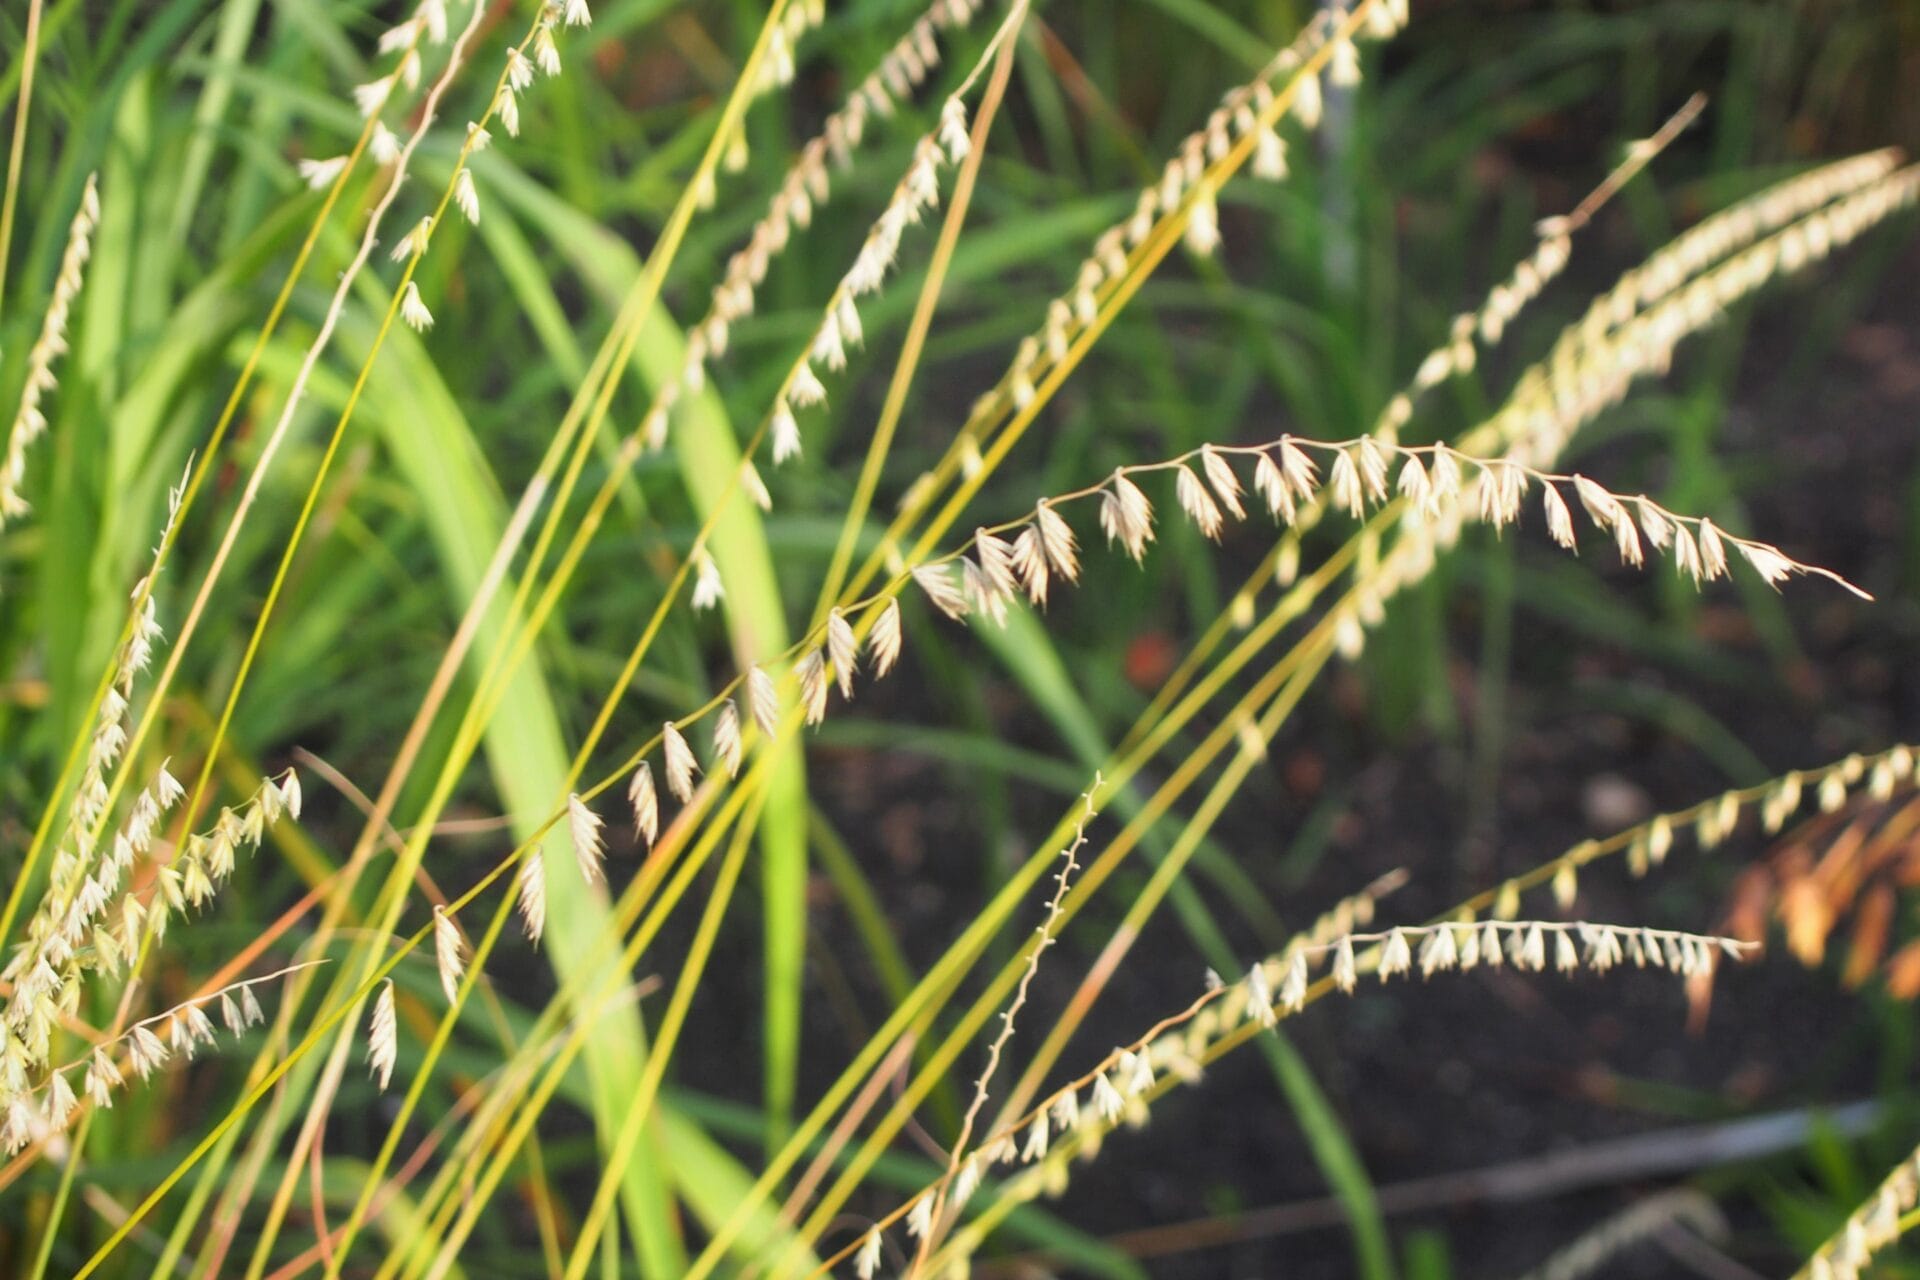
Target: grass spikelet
763	698
583	826
842	648
681	767
383	1037
727	747
645	802
884	637
30	420
448	952
530	886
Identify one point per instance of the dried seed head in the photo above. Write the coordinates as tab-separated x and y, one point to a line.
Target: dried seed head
843	648
1225	483
448	953
866	1263
937	582
530	883
708	590
920	1216
1293	987
1127	516
785	433
583	825
811	671
883	639
755	487
763	701
1344	487
1065	1111
1345	972
321	173
1057	540
413	310
726	738
1713	552
383	1037
678	759
646	803
465	196
1196	502
1559	519
1030	563
1395	954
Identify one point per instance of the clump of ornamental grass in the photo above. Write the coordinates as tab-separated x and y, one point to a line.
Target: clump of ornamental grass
413	937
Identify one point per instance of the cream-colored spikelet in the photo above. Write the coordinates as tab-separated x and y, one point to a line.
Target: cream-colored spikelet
589	849
413	310
449	952
708	590
530	894
763	702
645	800
383	1037
727	744
884	637
677	757
842	648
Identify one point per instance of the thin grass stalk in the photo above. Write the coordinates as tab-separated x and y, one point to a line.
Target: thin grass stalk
339	904
443	1032
964	450
17	152
1045	935
1143	905
1639	155
1128	929
668	1033
1124	929
475	1195
1882	773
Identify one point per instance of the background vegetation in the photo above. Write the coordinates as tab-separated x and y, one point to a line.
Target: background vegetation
1510	705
